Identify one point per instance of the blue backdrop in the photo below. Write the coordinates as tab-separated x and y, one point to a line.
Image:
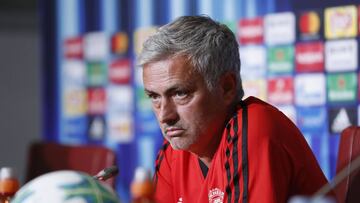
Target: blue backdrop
82	104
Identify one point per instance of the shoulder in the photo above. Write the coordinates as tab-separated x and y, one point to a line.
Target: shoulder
271	130
260	110
267	121
266	126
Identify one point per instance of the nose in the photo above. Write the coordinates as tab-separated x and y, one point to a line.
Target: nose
168	112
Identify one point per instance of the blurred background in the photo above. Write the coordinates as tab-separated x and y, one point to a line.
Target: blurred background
68	72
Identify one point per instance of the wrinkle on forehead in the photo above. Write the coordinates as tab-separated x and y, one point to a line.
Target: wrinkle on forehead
169	72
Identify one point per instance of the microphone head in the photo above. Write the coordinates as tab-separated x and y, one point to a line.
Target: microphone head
113	170
107	173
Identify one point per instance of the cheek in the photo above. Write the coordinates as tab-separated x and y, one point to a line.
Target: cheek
194	116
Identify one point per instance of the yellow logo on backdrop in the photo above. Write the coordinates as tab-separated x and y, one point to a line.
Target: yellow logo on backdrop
141	36
340	22
75	102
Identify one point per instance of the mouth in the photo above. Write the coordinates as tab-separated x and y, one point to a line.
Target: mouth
172	132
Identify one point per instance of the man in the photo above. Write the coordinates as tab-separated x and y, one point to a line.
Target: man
217	147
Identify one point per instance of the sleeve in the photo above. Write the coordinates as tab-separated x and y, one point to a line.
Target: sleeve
281	164
162	177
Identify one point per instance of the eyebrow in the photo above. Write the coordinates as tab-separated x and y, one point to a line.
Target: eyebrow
167	91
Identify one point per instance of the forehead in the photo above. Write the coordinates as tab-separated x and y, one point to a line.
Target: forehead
169	72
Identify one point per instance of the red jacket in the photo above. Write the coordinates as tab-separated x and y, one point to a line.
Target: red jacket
267	162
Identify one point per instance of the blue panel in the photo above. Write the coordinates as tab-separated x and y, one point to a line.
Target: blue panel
283	5
69	23
81	16
144	13
229	10
333	152
217	10
320	147
204	7
68	27
250	8
109	17
162	12
49	70
92	13
127	163
146	152
178	8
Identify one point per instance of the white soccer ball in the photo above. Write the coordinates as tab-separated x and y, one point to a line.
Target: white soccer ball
65	187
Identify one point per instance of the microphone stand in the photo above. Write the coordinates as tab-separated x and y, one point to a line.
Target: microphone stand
351	167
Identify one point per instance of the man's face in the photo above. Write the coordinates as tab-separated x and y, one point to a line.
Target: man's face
191	116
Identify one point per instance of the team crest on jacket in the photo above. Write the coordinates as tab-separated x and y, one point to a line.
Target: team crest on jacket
216	196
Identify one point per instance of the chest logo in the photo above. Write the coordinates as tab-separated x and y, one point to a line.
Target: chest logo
216	196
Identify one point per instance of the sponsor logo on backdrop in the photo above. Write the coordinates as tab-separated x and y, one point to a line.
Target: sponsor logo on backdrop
341	118
281	90
119	43
120	98
120	127
96	127
341	22
74	130
120	71
74	73
312	119
96	46
97	74
289	111
251	31
75	102
309	25
279	28
310	89
96	101
309	57
73	48
253	62
341	55
281	59
140	36
256	88
341	87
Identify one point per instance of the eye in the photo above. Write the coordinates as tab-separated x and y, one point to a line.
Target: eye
155	98
180	94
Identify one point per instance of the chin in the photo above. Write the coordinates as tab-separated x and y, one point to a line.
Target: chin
179	146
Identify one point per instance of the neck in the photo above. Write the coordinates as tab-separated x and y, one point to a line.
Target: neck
207	155
206	161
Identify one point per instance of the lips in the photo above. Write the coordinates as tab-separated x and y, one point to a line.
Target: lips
173	132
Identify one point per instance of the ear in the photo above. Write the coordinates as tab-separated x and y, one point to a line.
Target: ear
228	87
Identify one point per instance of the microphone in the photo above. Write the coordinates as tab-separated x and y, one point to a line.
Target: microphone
107	173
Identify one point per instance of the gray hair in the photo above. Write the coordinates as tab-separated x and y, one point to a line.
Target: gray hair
210	47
